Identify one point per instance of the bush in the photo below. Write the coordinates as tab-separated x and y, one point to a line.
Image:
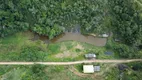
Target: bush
54	48
77	50
32	54
123	50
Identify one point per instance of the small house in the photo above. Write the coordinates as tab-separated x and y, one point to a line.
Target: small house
90	56
88	69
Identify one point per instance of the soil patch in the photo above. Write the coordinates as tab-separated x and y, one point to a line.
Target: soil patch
79	47
66	54
75	71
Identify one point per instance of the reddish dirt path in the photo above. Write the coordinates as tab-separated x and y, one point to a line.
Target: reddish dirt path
70	63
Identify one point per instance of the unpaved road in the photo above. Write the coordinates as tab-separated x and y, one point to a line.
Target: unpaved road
71	63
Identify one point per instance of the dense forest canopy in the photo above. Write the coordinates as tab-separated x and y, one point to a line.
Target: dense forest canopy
127	20
52	17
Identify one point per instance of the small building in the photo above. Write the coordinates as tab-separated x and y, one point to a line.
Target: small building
96	68
88	69
90	56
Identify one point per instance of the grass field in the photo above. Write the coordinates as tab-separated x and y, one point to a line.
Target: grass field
72	72
41	72
19	47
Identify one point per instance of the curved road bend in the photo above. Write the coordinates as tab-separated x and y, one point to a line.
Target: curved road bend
71	63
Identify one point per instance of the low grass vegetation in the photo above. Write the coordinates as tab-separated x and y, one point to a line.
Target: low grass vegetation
72	72
20	47
38	72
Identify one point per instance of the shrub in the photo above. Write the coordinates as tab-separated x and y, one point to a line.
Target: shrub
123	50
32	54
54	48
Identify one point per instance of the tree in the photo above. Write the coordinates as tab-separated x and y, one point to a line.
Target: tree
126	22
50	17
10	19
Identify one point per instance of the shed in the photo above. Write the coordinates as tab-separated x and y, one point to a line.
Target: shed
88	69
96	68
90	56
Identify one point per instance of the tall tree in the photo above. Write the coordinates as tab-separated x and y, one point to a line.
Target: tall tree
126	21
11	20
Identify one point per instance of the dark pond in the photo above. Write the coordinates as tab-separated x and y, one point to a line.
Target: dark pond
72	34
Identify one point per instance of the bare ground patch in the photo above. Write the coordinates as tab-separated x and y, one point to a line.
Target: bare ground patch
75	71
69	53
81	74
79	47
66	54
63	47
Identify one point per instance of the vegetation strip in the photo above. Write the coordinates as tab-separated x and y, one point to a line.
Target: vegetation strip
70	63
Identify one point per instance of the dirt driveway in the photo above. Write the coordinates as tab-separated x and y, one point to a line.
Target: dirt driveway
70	63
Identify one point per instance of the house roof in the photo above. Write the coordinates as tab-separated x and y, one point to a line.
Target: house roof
90	55
96	68
88	69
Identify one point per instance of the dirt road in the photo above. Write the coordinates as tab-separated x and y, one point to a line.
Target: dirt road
71	63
